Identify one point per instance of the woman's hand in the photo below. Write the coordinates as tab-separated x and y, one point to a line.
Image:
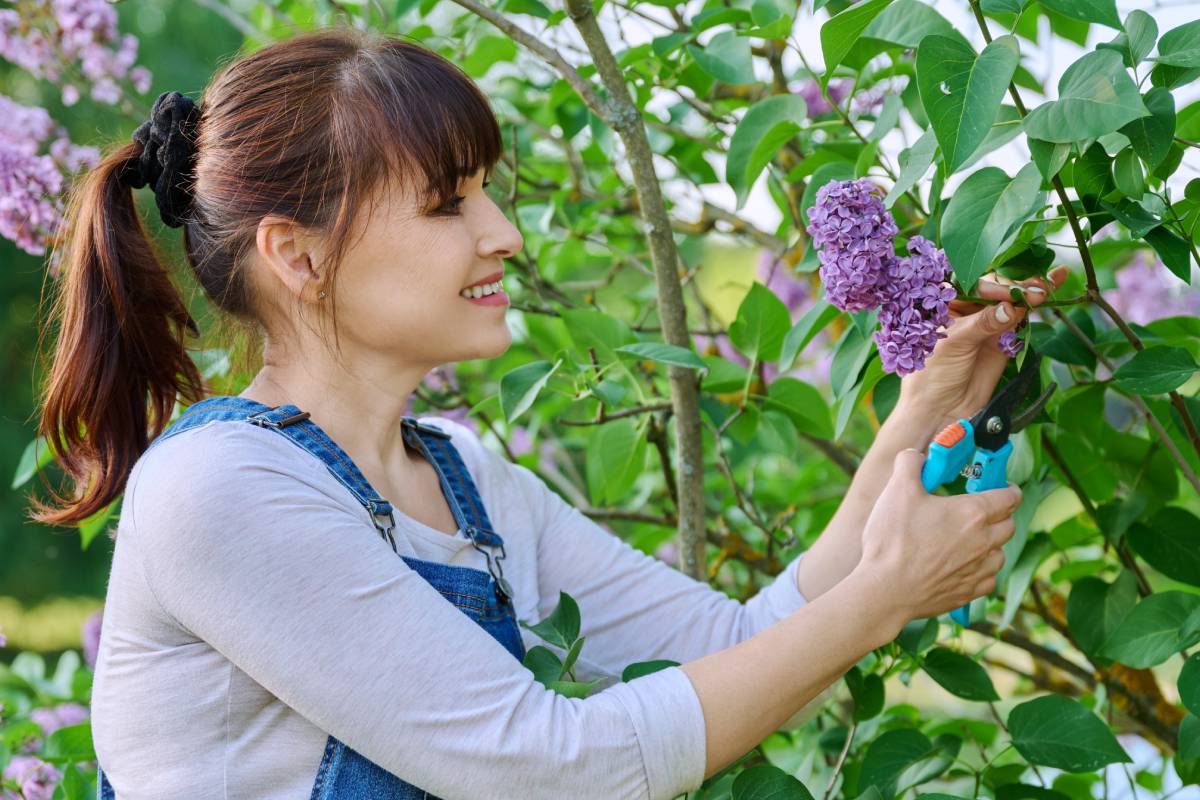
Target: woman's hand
961	374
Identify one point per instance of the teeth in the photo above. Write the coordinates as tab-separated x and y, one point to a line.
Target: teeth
484	290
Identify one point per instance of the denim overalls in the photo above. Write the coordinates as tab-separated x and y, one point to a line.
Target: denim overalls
484	596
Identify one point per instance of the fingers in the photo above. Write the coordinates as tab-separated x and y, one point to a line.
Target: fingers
1000	532
998	505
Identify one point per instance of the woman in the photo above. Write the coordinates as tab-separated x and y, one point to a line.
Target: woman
257	641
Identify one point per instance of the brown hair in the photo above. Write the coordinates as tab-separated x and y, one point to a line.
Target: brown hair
307	128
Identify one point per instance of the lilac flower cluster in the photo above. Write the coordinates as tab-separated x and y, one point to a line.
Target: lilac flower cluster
31	182
36	778
1146	291
854	232
57	39
915	308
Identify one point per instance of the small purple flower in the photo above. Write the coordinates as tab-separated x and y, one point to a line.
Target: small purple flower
60	716
3	640
1146	291
519	441
668	552
810	92
91	637
36	778
916	308
1010	344
853	233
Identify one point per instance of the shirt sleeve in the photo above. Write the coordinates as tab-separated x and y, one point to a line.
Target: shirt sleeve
248	545
633	607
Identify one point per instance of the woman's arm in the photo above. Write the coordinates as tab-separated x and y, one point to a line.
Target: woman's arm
839	547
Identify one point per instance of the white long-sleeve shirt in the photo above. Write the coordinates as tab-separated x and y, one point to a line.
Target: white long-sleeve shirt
252	610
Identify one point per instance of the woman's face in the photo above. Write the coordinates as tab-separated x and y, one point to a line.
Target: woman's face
398	290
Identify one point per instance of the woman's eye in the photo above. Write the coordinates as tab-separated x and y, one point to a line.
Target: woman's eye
454	204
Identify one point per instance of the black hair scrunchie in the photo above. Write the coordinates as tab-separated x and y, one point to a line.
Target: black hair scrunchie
167	155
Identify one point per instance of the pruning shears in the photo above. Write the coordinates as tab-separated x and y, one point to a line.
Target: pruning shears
978	448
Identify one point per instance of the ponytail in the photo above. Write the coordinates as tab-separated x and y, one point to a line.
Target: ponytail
120	360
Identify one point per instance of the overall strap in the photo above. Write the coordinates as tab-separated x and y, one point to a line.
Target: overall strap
434	443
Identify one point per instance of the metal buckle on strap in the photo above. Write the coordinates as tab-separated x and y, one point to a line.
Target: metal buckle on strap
412	423
258	419
377	507
503	587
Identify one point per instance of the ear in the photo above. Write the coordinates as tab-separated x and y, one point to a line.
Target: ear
286	252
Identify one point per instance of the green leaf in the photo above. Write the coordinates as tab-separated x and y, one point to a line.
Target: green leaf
1101	11
906	22
1021	575
961	92
640	668
1189	737
543	663
762	322
959	675
616	454
813	322
851	353
1170	543
1158	626
888	756
573	688
1128	175
726	57
71	742
1180	47
840	33
1156	370
767	782
803	405
1142	31
1049	156
915	161
763	130
1173	250
1055	731
867	692
1189	684
520	387
984	214
1095	608
1095	96
1151	136
561	627
664	354
36	455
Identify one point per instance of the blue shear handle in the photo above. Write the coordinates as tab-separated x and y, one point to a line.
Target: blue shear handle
992	467
942	465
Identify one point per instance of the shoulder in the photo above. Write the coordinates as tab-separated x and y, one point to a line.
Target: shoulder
218	468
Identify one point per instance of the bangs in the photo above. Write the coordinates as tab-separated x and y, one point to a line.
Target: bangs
426	122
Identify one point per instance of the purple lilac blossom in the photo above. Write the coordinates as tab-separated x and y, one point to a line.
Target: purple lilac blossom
31	183
853	233
916	308
91	637
53	39
1146	291
810	92
36	778
668	552
3	640
52	718
1010	344
519	441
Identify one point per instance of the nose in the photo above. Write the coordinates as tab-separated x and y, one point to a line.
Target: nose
504	239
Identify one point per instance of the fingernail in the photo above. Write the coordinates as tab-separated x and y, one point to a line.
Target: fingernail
1002	313
1037	289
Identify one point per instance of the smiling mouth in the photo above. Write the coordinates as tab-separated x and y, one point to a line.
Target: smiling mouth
482	290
